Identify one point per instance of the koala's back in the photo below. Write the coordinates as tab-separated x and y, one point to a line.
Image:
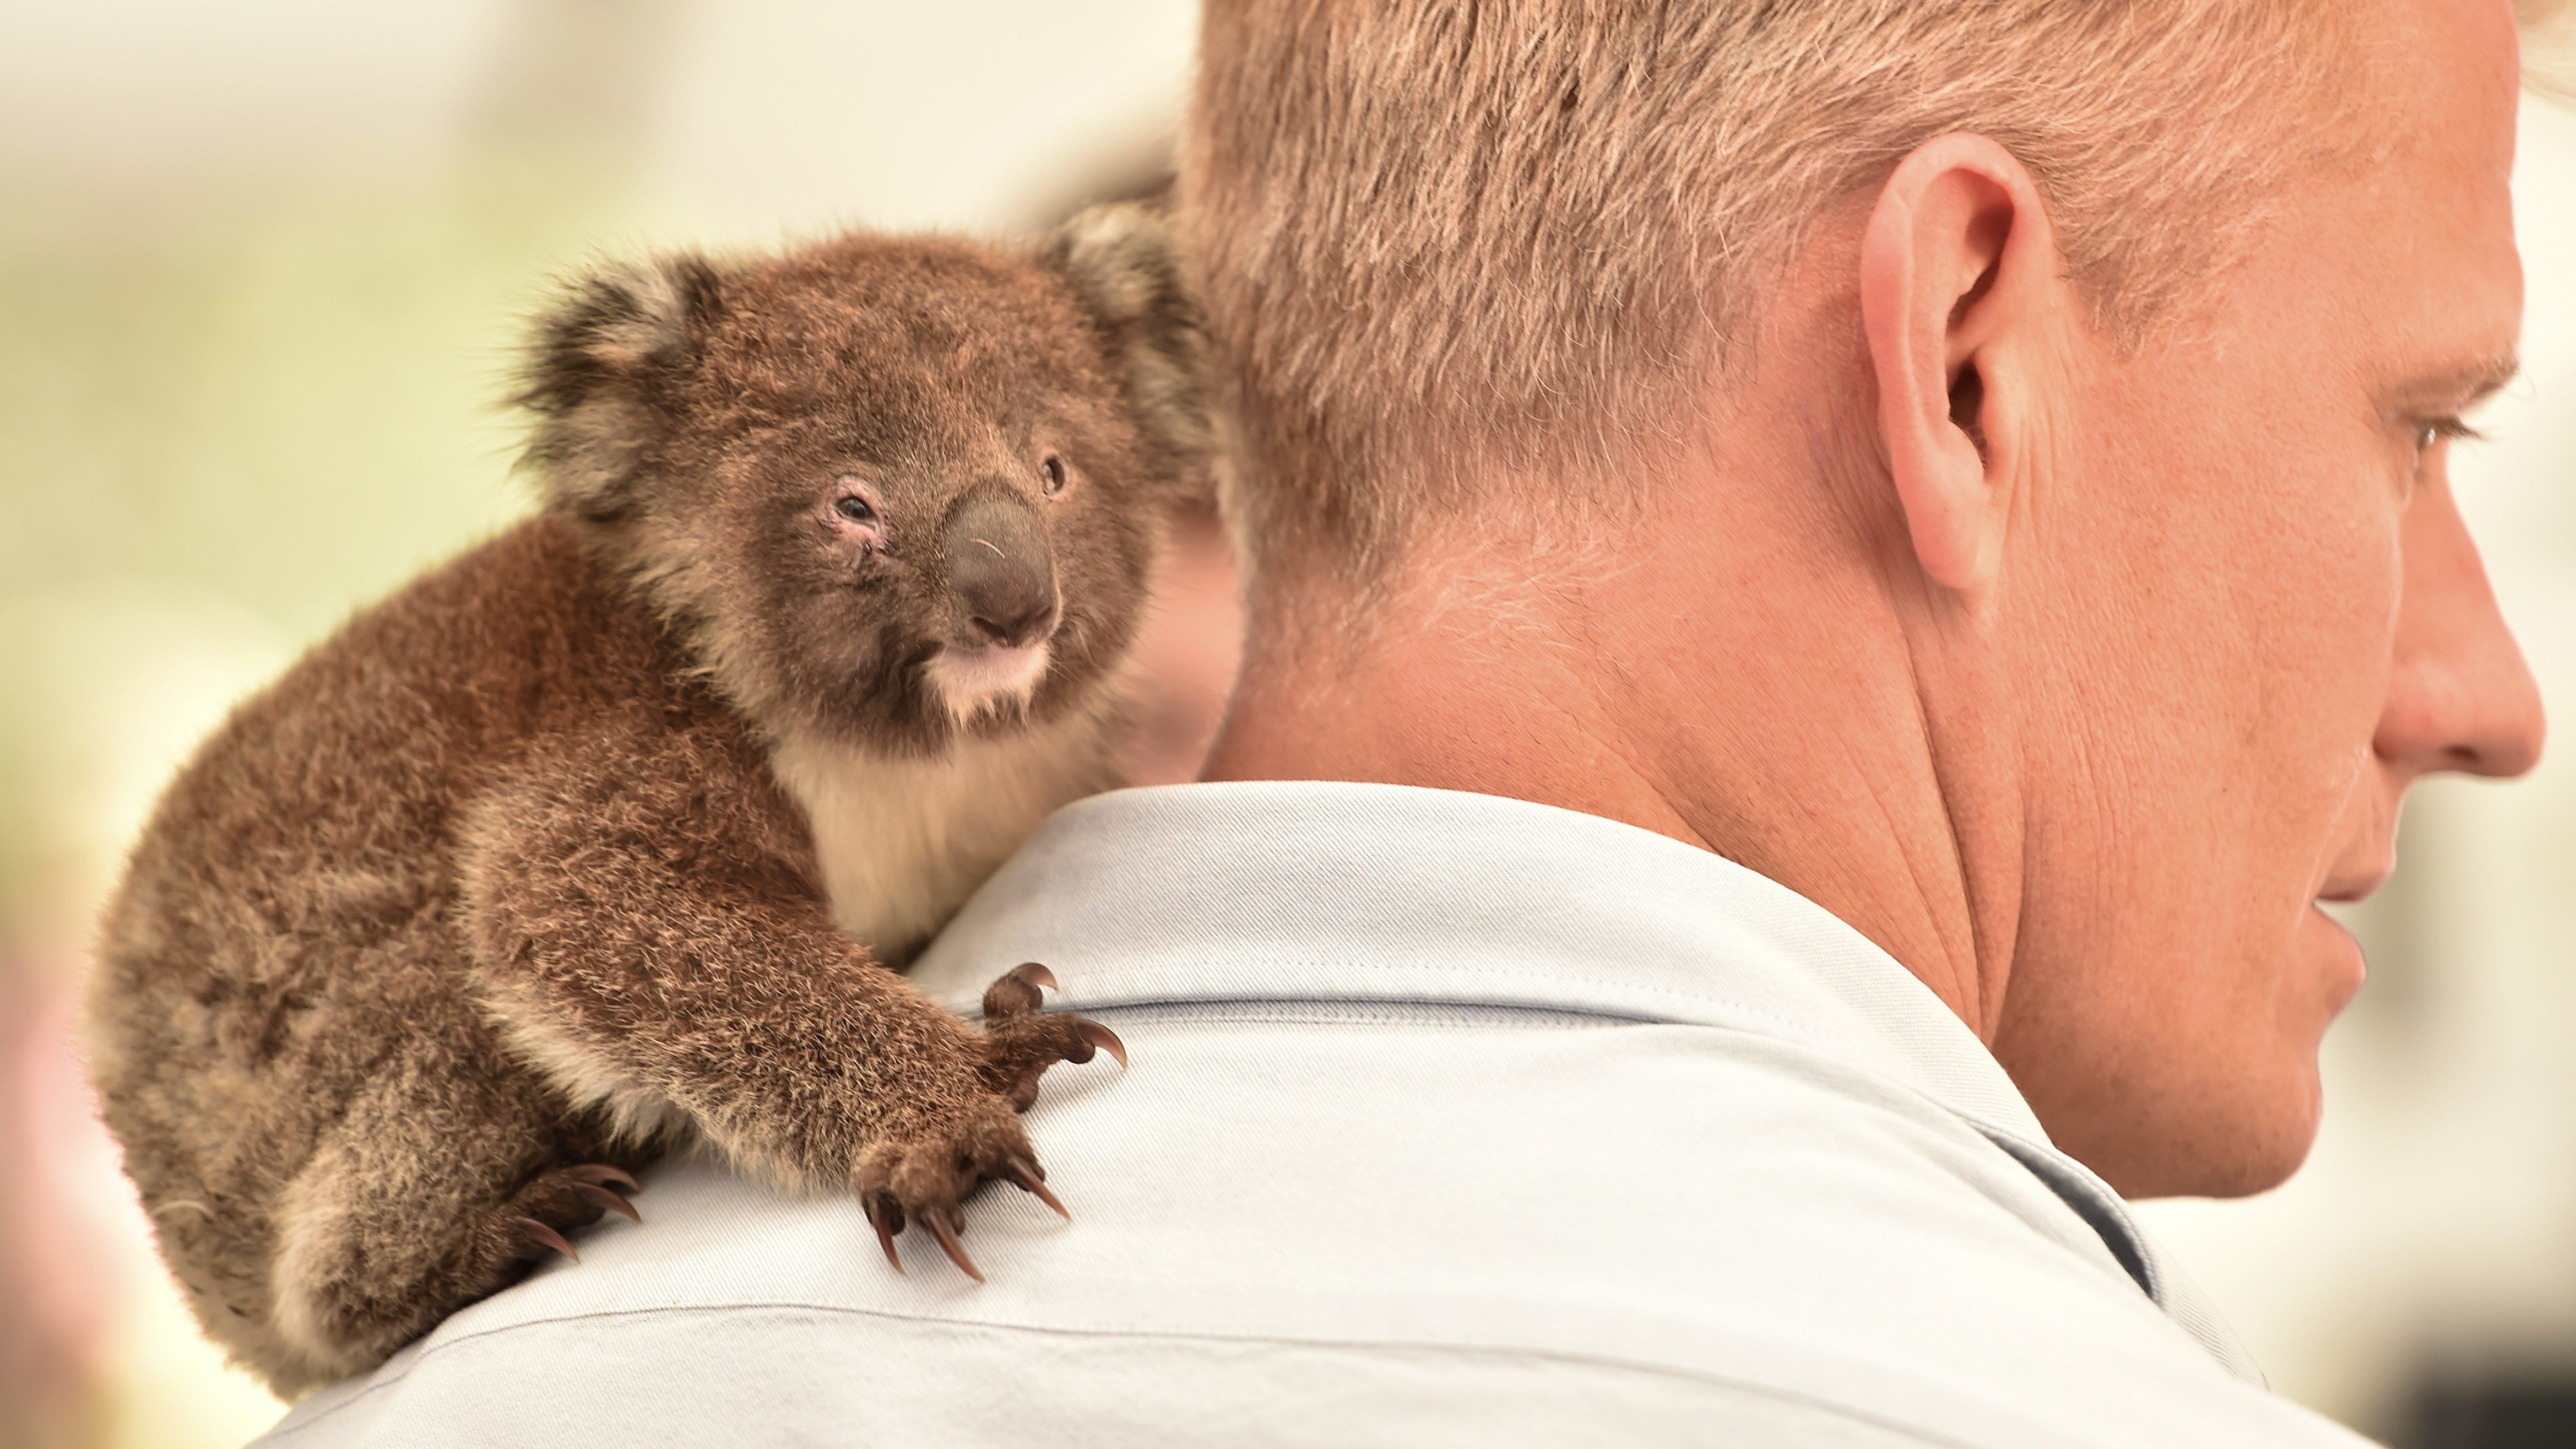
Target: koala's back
290	913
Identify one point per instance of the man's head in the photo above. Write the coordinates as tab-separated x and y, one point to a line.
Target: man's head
1986	472
1532	229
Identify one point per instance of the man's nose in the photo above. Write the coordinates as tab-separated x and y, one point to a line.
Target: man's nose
2460	697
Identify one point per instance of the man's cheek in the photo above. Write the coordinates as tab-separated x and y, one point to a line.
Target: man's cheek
2324	627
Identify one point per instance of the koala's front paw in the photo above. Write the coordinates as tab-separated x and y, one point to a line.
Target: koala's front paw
1020	1043
924	1177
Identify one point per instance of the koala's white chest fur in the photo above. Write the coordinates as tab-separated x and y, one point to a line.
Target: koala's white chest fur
901	843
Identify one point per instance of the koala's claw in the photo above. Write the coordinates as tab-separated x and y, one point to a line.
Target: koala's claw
1017	992
541	1236
609	1199
600	1174
886	1216
1031	1178
880	1211
955	1250
1106	1040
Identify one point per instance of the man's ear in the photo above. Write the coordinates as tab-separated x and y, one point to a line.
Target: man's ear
600	371
1125	263
1958	269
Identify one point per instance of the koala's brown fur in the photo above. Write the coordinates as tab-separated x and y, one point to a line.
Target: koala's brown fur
602	837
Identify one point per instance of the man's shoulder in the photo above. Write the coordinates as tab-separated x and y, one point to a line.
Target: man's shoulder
1445	1111
1351	1220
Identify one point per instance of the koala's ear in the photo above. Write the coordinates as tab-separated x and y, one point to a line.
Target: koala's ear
600	373
1124	262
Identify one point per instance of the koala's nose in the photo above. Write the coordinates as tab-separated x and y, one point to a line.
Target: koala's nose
1000	570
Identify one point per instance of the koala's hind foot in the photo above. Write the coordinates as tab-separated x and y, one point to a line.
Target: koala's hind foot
557	1201
926	1176
420	1203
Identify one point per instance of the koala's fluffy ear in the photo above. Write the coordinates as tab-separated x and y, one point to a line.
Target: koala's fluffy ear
1125	263
600	371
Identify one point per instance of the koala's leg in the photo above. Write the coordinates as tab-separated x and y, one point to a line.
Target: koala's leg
649	924
443	1183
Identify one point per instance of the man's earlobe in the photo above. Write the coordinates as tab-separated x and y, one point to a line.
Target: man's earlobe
1956	266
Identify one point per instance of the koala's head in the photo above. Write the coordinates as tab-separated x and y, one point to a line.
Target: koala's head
891	489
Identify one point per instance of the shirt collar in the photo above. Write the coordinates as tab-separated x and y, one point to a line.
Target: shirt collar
1308	891
1315	891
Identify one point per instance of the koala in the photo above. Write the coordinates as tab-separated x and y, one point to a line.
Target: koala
612	834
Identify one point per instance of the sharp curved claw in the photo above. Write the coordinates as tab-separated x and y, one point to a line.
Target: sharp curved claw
1017	992
1105	1039
546	1237
949	1244
600	1174
885	1235
609	1200
1021	1171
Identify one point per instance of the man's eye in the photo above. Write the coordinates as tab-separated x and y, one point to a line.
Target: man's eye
2433	432
855	509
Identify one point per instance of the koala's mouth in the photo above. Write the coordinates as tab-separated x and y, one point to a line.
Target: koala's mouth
974	680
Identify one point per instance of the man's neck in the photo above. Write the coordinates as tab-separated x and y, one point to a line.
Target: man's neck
1781	763
1442	706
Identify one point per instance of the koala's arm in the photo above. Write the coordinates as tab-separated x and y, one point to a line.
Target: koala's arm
646	923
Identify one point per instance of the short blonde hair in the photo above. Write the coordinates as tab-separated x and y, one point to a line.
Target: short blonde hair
1429	231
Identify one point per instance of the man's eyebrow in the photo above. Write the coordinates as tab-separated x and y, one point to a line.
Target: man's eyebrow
2468	383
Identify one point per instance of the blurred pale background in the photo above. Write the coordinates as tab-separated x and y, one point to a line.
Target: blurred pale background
261	269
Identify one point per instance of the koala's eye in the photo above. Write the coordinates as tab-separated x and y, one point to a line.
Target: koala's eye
855	518
1051	475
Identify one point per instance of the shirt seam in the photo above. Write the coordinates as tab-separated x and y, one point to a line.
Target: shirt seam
1093	999
1244	1008
1461	1350
1700	1008
1516	971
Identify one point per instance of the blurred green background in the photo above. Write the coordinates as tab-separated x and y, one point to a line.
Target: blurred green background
262	269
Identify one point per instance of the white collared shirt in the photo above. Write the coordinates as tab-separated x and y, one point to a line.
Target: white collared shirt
1452	1120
